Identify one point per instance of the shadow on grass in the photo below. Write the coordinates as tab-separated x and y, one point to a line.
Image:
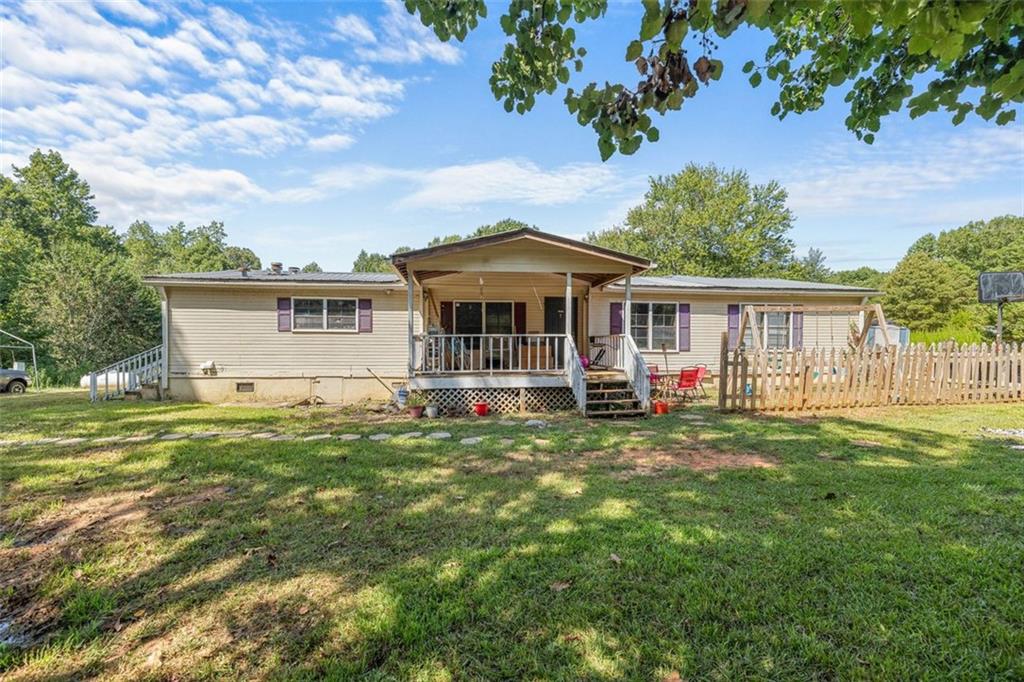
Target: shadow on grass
423	558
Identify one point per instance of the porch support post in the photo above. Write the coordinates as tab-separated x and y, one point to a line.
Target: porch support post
627	307
568	316
412	341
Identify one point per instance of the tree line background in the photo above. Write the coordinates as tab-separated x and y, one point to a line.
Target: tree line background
74	287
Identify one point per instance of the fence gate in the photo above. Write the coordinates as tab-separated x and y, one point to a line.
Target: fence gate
818	378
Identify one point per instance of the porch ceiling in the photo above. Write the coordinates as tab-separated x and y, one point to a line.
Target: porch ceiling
524	251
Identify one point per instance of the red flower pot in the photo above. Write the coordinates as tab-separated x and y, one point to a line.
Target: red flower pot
416	412
481	409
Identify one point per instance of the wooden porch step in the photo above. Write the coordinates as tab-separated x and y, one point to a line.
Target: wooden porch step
616	413
622	389
614	401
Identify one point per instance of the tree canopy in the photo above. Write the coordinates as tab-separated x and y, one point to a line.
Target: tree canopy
708	221
183	249
877	51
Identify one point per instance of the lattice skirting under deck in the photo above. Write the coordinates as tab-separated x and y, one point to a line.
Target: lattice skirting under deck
503	400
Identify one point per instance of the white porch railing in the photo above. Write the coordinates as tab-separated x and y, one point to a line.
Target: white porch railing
607	351
636	371
577	375
129	374
491	353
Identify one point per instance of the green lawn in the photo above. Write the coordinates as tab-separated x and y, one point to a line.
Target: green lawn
587	554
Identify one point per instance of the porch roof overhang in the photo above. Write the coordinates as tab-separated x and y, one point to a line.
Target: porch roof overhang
523	250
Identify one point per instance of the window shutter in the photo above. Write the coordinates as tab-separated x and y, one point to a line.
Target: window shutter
798	330
365	315
615	322
734	325
684	326
447	317
284	314
519	317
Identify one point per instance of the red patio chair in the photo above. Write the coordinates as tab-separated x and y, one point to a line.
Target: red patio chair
702	371
688	382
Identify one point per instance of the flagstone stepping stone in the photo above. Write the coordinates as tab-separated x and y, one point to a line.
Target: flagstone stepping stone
173	436
41	441
541	441
317	436
643	434
472	440
507	422
108	439
234	434
689	417
71	441
439	435
699	423
380	436
139	439
349	436
283	436
411	434
203	435
536	423
9	443
1017	447
507	441
263	435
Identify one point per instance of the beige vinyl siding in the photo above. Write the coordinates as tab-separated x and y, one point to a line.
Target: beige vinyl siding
709	317
237	329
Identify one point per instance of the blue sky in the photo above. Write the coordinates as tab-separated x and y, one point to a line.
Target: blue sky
314	130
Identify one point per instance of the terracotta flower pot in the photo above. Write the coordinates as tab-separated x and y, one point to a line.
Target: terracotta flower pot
416	412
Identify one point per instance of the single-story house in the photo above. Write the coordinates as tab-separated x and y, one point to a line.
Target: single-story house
480	319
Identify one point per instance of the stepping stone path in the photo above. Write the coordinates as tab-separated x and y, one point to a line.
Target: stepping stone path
139	439
380	436
541	441
439	435
108	439
643	434
71	441
42	441
506	422
507	441
9	443
349	436
174	436
1017	447
283	436
472	440
263	435
203	435
317	436
411	434
234	434
536	423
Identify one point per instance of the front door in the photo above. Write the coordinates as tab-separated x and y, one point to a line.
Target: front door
554	320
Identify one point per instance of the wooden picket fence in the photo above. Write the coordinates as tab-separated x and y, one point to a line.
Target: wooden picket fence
817	379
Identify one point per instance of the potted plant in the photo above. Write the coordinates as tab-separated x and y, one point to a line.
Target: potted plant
416	403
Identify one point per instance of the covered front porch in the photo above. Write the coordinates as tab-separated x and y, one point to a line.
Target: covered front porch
510	314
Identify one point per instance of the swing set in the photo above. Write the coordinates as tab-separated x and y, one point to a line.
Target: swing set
859	319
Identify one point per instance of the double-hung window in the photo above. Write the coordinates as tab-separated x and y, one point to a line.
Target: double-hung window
776	330
654	325
325	314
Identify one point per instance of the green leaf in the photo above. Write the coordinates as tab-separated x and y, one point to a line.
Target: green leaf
581	52
755	78
919	44
635	49
1005	117
654	19
716	69
869	138
653	135
606	147
675	33
509	104
748	67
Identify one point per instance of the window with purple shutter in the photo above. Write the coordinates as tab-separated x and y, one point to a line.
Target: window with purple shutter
365	315
684	326
798	330
734	325
284	314
615	318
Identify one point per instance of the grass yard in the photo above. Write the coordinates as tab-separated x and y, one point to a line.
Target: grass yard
868	544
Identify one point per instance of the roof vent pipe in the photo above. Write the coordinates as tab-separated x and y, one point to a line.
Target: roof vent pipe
293	270
275	268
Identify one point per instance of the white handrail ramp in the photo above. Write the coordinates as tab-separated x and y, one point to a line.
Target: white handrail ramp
129	374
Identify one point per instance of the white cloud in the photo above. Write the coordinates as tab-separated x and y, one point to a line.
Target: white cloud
353	27
401	38
852	177
331	143
205	104
131	9
458	187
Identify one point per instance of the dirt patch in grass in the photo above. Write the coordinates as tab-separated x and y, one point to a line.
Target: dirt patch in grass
651	462
61	537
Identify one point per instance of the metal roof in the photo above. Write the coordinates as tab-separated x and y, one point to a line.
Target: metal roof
740	283
283	277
